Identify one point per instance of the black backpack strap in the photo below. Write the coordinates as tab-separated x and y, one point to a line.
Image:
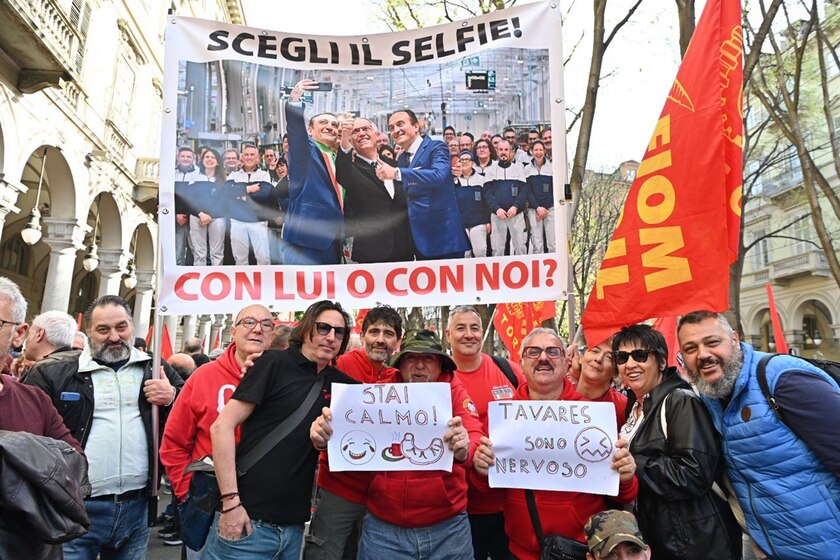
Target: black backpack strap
761	376
504	365
535	515
283	429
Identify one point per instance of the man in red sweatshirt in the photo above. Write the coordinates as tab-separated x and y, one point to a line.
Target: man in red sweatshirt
187	434
485	381
340	501
420	514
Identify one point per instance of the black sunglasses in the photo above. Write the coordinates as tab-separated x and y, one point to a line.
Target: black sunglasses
639	355
324	329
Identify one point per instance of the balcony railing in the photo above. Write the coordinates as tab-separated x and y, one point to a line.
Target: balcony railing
783	182
811	263
148	172
39	37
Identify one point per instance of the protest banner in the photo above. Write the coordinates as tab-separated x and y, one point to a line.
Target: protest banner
390	427
230	87
554	445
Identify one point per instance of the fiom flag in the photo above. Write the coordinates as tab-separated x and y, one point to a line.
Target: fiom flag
678	232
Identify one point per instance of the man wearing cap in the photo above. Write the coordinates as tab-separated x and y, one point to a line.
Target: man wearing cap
421	514
614	534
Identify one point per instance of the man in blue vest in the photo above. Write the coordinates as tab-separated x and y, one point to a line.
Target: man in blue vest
784	464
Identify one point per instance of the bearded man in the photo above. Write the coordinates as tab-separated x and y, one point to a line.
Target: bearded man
105	395
782	454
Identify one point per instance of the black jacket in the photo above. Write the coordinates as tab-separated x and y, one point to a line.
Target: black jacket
678	513
59	373
43	483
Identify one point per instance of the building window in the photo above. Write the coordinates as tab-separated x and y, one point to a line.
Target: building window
831	70
754	177
14	255
759	254
80	20
124	81
803	231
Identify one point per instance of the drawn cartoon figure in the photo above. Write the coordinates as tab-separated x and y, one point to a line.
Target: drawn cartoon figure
422	455
593	445
358	447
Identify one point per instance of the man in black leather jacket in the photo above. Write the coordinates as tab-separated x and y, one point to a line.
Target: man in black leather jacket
105	394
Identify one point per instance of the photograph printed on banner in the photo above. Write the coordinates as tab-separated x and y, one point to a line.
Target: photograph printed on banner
282	166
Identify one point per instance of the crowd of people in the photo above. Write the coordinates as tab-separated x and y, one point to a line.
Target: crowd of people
342	191
702	460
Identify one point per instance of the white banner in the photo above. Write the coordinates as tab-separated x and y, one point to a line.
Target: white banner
390	427
554	445
227	87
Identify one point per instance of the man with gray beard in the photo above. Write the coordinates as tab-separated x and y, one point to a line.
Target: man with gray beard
783	460
105	395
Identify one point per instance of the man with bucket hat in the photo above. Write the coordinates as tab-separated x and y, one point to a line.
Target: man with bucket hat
614	534
420	514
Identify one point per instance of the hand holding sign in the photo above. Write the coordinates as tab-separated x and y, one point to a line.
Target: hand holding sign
321	430
458	439
623	461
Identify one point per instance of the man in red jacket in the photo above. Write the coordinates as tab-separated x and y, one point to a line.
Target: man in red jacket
420	514
560	513
187	434
485	382
340	501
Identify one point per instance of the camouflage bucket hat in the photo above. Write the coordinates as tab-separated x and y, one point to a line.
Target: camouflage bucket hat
605	530
422	341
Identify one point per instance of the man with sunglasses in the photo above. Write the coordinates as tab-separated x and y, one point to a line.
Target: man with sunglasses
314	228
544	366
263	511
207	390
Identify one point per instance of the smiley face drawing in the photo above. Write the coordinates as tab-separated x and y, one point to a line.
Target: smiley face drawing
358	447
593	445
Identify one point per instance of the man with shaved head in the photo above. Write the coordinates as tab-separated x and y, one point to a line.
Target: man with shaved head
375	211
187	434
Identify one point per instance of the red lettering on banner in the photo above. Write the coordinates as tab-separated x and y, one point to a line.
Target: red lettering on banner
319	285
452	276
487	275
279	288
181	284
390	282
207	286
367	277
416	275
241	282
523	275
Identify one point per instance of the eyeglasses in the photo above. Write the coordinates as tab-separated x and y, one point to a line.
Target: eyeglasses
362	130
250	323
639	355
535	352
3	323
324	329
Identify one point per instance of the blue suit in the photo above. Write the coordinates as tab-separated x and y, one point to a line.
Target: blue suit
314	221
432	208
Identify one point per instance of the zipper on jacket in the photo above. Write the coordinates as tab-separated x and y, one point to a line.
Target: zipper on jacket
758	518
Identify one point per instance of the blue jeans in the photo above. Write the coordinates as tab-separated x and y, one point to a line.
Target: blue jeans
267	540
117	532
447	540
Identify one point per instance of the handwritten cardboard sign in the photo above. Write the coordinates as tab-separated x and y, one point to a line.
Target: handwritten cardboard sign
390	427
554	445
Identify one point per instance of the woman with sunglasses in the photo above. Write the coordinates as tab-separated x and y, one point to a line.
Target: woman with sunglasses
677	454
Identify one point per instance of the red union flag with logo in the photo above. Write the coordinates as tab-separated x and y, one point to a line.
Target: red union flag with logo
678	233
515	320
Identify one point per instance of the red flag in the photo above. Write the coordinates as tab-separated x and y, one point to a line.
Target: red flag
668	327
165	344
79	322
515	320
218	342
778	334
149	335
678	231
360	319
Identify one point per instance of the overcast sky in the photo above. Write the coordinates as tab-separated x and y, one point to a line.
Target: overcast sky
639	67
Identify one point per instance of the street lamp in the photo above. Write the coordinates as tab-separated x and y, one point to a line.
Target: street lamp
91	260
31	234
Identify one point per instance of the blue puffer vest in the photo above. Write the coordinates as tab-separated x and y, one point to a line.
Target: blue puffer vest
791	500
